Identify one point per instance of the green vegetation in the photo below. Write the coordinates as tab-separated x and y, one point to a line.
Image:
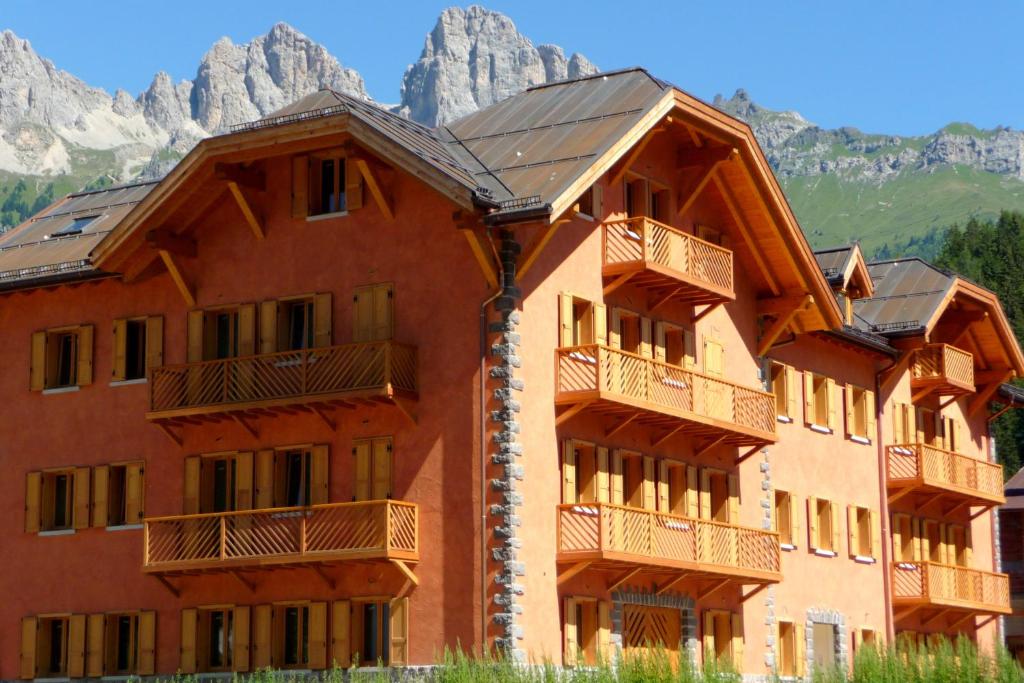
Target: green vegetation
991	253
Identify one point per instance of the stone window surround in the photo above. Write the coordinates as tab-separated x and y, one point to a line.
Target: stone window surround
638	596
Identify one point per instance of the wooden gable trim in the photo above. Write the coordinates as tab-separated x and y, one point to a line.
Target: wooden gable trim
990	302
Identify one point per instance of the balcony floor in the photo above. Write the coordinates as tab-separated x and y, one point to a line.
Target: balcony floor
948	496
670	570
665	284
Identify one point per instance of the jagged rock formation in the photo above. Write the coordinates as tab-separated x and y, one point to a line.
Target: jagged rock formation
474	58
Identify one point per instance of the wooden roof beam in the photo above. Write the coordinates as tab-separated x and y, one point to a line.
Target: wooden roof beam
165	240
251	220
178	278
744	229
631	158
533	251
382	199
781	323
244	176
711	159
985	395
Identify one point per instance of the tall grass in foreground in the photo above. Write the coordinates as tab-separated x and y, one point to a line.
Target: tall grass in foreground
959	662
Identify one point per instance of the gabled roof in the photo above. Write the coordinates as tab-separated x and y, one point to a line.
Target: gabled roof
843	266
1014	491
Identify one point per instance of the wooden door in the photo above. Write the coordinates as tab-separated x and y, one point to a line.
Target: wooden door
646	630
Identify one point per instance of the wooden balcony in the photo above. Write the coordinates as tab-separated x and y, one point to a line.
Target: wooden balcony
946	587
942	369
673	264
253	539
935	472
349	374
662	396
601	535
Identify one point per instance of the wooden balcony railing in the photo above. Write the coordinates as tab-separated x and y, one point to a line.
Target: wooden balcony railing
612	380
378	529
367	370
929	469
942	368
607	533
656	255
929	584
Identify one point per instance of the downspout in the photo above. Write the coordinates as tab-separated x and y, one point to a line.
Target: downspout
890	628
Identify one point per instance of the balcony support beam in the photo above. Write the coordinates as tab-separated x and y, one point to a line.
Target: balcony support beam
245	582
622	424
707	309
634	154
376	189
922	393
982	511
179	280
570	412
482	258
893	497
331	424
245	425
711	160
660	301
935	617
741	225
406	572
746	596
324	577
931	501
166	429
712	589
749	453
617	282
963	619
708	446
405	409
785	317
666	436
986	394
623	578
572	571
176	592
672	584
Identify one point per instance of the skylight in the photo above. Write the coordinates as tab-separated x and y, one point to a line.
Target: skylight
75	227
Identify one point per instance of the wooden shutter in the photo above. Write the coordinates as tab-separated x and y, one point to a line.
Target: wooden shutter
940	430
689	350
76	646
300	186
33	494
361	451
958	435
800	649
243	480
830	401
353	186
659	341
792	393
808	398
341	633
146	663
615	329
733	481
646	349
264	477
262	654
604	493
188	641
195	336
876	536
399	632
737	640
853	531
190	487
135	493
848	404
618	495
84	355
383	312
915	526
570	635
794	522
597	201
381	469
869	412
362	314
120	349
239	639
919	423
318	635
663	502
565	319
37	367
569	472
604	632
692	496
154	342
705	493
29	633
812	522
709	635
100	505
649	498
268	326
94	633
319	475
837	529
82	502
247	330
600	325
323	326
898	428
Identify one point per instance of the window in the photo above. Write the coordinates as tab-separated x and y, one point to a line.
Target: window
581	323
644	197
674	345
293	476
719	496
958	545
122	639
714	359
586	625
723	636
823	526
864	637
860	413
933	540
864	536
824	639
138	346
708	234
374	620
783	519
57	505
296	320
790	649
784	386
903	424
376	630
819	402
590	204
52	648
117	494
373	465
61	358
581	472
638	480
372	308
677	488
293	636
57	500
905	532
296	323
216	631
221	333
630	332
325	184
219	482
75	227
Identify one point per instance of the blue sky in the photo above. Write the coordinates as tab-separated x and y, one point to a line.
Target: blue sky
893	67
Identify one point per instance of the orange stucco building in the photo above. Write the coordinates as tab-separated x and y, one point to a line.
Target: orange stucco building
562	378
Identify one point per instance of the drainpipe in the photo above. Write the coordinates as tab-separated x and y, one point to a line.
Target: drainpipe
890	628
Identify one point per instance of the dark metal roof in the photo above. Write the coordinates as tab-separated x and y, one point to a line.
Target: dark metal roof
536	144
833	262
907	294
28	252
868	340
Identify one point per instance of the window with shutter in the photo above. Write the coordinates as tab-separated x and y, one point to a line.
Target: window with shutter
50	648
379	636
374	463
582	631
61	358
787	649
783	519
214	628
133	339
341	633
860	533
373	311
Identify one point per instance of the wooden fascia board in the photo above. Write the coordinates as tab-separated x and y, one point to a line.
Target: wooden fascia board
604	163
857	270
990	302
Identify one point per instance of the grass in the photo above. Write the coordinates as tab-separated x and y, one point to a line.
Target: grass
944	662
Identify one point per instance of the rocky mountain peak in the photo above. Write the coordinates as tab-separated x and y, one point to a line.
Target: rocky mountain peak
475	57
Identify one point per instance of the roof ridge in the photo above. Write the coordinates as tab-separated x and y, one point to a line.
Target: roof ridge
114	188
601	74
